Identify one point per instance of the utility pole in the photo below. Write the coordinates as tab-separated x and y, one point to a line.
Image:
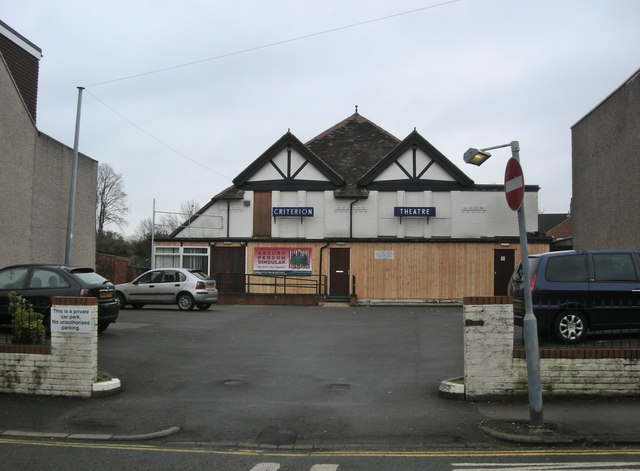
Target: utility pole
74	180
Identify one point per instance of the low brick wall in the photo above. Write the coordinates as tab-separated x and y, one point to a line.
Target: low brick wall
271	299
493	368
68	367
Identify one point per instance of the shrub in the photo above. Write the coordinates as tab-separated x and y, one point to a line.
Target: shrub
28	326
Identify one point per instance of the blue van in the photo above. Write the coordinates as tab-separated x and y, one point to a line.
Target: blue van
575	292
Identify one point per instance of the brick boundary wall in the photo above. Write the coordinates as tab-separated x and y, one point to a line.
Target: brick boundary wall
270	299
493	368
69	367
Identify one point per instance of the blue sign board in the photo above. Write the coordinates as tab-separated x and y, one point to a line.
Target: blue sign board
293	212
414	211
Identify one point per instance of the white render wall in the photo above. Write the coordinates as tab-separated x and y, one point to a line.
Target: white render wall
268	172
486	214
459	215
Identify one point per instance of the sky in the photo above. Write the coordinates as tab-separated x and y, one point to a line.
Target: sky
180	97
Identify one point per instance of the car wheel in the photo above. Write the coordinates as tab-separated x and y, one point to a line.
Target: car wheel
570	327
102	326
185	302
203	307
137	305
120	299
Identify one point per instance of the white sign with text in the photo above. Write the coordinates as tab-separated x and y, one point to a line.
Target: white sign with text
71	319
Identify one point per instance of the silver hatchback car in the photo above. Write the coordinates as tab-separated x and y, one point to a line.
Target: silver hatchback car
185	287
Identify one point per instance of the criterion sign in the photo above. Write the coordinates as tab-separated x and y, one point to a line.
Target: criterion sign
514	184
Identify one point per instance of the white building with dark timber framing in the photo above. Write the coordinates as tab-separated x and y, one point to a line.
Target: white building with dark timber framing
354	213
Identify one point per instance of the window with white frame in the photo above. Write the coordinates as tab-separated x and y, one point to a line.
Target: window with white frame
167	257
182	257
196	257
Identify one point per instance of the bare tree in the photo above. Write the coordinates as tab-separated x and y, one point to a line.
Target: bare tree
143	231
171	222
111	199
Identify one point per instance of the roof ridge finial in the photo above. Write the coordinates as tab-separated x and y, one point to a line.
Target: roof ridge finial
356	109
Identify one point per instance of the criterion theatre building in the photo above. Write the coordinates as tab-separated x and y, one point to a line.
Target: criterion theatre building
354	213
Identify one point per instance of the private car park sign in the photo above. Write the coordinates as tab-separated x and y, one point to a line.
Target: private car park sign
72	319
514	184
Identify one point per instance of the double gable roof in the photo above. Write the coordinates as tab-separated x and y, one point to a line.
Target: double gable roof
288	165
351	158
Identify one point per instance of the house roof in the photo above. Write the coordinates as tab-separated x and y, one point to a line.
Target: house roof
351	158
229	193
353	146
417	176
548	221
22	58
287	175
564	230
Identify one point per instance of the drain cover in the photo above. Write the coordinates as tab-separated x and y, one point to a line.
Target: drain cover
233	382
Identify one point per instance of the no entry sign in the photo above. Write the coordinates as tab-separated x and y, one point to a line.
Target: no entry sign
514	184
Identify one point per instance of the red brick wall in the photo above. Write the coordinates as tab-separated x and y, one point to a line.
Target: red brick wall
116	269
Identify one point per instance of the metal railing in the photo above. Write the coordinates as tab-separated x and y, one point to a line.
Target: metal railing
243	283
8	337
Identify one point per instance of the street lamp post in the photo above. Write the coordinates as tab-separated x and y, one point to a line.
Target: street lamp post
530	325
72	187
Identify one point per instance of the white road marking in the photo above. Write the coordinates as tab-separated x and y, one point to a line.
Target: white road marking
604	466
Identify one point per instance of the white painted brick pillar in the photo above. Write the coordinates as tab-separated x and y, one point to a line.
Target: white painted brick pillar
68	367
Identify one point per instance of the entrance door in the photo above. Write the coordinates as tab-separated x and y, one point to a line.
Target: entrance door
339	265
503	266
228	269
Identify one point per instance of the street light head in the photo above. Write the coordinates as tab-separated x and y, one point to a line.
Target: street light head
476	156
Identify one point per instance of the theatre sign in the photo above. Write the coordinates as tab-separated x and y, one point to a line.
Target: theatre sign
414	212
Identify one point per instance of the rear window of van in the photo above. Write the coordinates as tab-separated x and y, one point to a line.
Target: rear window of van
568	269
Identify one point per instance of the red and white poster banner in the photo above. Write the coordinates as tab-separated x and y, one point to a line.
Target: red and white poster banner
282	260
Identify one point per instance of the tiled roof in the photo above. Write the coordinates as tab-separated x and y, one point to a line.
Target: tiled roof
23	62
563	230
548	221
353	146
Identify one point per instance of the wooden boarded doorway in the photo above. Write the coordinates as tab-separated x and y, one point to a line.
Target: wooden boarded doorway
339	266
228	268
503	266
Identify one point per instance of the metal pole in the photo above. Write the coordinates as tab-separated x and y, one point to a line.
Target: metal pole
530	324
153	232
72	192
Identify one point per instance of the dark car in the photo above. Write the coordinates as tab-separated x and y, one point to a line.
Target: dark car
575	292
39	283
